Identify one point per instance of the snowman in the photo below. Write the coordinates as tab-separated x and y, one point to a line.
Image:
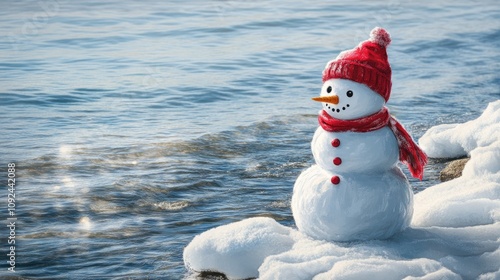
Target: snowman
356	191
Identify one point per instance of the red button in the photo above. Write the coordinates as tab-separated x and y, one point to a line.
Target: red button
335	142
337	161
335	180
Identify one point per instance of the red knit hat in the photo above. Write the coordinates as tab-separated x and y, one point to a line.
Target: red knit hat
366	64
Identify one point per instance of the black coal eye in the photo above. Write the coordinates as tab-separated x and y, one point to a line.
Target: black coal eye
349	93
329	89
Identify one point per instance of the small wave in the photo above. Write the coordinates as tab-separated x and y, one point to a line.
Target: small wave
171	206
280	204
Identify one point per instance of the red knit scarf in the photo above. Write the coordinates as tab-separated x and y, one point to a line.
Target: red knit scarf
409	152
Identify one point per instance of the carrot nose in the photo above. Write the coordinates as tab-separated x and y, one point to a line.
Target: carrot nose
334	99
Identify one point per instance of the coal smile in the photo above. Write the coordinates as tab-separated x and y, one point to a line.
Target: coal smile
336	109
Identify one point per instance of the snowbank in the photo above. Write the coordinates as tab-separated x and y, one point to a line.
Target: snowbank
455	232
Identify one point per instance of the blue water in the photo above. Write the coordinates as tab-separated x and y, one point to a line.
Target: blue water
135	126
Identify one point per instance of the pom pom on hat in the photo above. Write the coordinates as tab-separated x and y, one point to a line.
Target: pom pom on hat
367	64
380	36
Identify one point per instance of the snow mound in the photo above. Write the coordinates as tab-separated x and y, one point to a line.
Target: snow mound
455	232
238	249
472	199
456	140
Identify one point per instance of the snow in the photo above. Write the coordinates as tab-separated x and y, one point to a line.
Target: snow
456	140
238	249
454	234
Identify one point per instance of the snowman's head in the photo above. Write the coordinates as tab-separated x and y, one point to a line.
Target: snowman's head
347	100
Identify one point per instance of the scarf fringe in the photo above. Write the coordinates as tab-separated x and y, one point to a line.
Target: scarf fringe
409	152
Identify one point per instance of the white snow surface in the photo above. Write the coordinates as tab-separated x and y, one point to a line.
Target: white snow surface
238	249
456	140
455	232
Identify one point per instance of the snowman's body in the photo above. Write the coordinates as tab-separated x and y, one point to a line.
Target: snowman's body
359	152
372	198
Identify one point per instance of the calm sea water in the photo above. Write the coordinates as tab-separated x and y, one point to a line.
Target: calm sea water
135	126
